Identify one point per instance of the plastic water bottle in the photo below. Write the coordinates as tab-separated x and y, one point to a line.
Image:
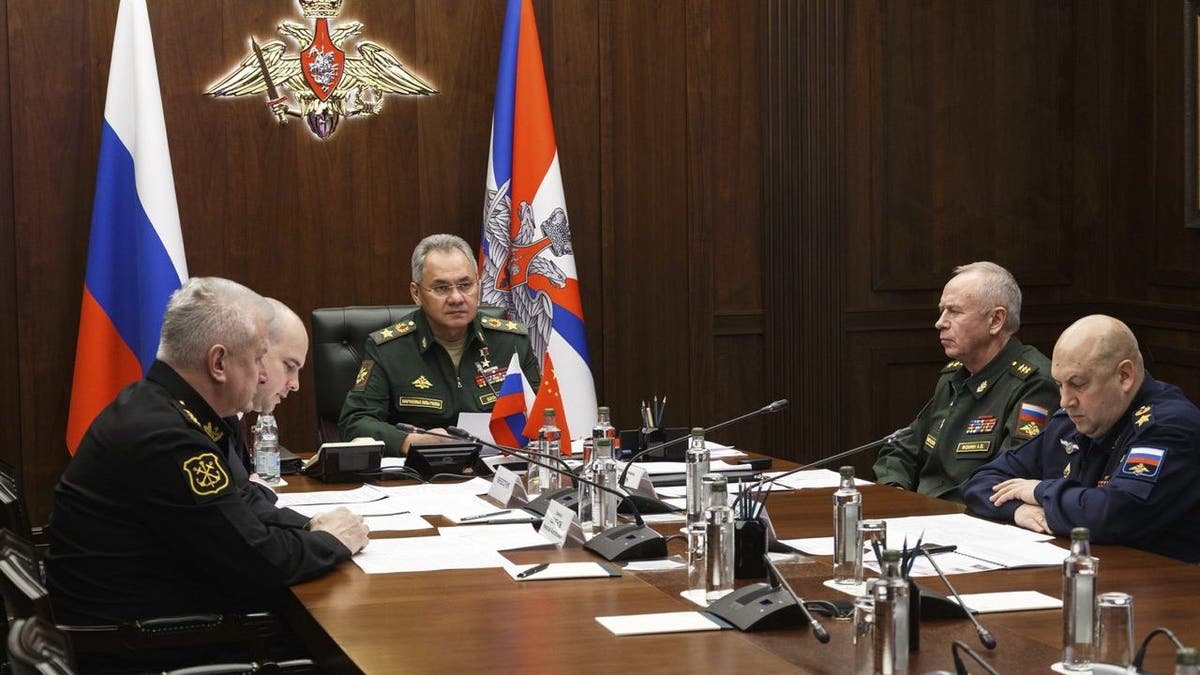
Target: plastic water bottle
847	512
891	617
718	539
696	461
604	504
266	448
1187	661
549	445
1079	602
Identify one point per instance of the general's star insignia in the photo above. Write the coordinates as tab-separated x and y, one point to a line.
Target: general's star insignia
387	332
511	325
422	383
1142	410
1142	419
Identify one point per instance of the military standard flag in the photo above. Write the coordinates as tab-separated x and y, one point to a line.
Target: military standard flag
135	249
526	261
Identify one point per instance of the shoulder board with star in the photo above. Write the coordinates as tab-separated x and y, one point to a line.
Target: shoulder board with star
1142	417
952	366
506	325
1022	369
390	333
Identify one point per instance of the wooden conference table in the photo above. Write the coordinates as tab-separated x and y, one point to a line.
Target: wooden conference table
482	621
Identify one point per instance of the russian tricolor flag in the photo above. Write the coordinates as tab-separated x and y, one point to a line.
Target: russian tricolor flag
527	264
510	412
135	251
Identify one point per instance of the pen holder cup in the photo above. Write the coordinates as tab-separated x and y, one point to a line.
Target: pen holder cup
749	547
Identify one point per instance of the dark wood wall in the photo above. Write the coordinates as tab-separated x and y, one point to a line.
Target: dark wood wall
765	196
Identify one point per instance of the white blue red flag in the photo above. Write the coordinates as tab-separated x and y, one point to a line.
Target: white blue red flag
511	411
135	250
526	261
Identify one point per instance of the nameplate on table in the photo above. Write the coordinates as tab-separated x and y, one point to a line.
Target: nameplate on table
503	484
557	523
634	476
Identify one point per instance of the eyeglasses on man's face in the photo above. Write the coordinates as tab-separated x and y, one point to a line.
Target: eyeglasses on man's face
444	290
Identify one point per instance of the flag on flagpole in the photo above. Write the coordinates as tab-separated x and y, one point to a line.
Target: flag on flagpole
511	411
135	249
549	395
526	261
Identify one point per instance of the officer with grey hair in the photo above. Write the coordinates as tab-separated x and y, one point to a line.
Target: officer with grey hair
994	394
147	520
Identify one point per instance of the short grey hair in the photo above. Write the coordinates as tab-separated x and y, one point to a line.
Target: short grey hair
997	287
437	242
279	313
207	311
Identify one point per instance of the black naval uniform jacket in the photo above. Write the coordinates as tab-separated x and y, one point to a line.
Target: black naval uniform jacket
971	419
149	521
1135	486
407	376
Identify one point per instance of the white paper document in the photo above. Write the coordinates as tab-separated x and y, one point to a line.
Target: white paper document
424	554
404	522
381	507
1009	601
364	493
662	622
670	468
813	478
505	537
811	545
563	570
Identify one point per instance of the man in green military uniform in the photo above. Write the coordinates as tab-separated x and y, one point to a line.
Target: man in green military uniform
439	361
994	395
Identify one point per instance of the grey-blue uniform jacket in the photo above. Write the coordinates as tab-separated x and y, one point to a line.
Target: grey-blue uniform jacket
1137	485
406	376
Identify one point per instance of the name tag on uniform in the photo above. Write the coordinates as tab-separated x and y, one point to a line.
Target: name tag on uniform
419	402
487	399
973	446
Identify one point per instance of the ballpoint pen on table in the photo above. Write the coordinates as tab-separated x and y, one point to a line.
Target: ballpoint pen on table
533	570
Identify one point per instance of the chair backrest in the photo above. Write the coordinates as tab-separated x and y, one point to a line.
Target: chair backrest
338	337
37	647
21	583
13	515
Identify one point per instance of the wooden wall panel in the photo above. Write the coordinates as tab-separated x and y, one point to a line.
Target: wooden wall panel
10	353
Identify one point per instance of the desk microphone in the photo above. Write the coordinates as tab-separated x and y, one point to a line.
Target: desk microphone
984	636
818	630
961	668
1141	652
895	435
774	406
628	541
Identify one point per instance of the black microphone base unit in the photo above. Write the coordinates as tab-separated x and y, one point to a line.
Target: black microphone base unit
934	605
758	607
641	440
567	496
645	504
628	542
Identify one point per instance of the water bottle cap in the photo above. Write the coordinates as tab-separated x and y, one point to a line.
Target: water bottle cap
891	555
1080	533
602	410
847	471
697	431
1187	656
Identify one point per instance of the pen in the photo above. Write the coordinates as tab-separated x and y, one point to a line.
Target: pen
934	549
486	515
533	570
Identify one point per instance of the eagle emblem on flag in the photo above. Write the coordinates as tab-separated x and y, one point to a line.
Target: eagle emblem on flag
325	82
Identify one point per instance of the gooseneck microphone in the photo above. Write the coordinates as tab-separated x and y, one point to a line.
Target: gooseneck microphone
895	435
984	636
628	541
1141	652
818	630
961	668
774	406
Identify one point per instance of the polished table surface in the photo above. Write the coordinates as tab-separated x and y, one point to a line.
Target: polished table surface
481	620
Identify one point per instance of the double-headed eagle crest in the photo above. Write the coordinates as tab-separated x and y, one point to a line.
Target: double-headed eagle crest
509	264
326	82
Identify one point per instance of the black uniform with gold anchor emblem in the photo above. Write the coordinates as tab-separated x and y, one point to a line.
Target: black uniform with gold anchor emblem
148	519
407	376
1135	486
971	419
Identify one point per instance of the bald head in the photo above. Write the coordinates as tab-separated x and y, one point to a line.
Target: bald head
1099	370
285	357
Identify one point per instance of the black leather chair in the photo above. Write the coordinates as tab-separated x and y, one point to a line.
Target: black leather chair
338	337
25	595
36	647
13	515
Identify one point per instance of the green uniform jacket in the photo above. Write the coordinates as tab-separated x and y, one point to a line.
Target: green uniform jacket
970	420
406	376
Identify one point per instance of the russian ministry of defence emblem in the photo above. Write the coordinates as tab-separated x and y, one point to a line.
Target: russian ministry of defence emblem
324	81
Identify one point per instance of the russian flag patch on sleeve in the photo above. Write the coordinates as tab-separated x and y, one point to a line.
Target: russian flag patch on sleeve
1143	462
